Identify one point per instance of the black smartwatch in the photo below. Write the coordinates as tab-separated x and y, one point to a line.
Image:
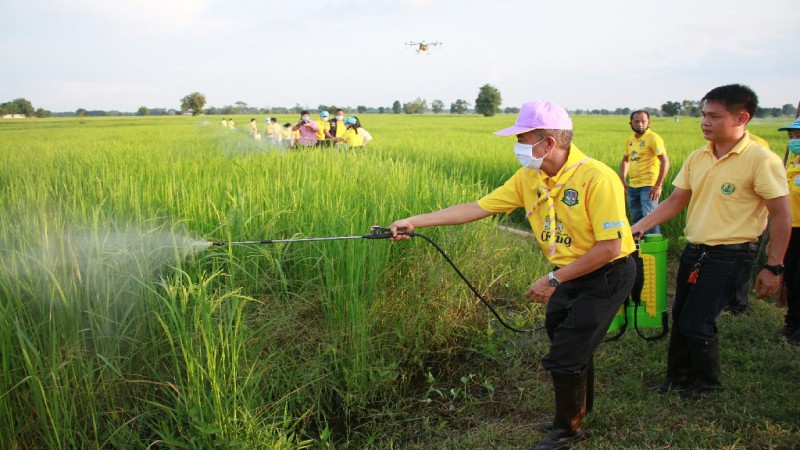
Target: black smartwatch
777	270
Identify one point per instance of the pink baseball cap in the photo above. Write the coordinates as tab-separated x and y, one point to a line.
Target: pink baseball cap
540	114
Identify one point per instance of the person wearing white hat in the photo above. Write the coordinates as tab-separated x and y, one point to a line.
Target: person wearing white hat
576	208
791	325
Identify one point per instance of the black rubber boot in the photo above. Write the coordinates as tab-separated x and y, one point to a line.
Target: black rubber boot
548	426
705	367
570	390
679	361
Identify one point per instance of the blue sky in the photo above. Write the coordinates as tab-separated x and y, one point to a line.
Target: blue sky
122	54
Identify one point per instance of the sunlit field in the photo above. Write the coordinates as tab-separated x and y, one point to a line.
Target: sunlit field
121	328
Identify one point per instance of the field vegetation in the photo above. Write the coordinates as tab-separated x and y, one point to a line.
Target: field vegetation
121	328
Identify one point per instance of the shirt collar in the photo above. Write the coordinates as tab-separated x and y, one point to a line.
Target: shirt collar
575	155
738	148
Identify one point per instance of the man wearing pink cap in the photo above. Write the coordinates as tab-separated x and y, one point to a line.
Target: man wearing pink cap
576	208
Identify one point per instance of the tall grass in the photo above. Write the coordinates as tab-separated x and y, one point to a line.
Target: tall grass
119	327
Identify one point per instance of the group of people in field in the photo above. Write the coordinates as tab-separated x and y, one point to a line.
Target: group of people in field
576	207
338	132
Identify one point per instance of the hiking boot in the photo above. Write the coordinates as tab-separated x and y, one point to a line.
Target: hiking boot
787	331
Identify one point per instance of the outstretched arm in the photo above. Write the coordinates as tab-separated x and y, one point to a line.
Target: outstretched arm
453	215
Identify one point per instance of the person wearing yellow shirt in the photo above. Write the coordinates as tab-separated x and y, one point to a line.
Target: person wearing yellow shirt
286	136
791	327
730	186
645	161
224	123
576	208
254	128
324	128
337	126
355	136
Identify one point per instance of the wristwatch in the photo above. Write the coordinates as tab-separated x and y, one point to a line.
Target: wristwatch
777	270
553	280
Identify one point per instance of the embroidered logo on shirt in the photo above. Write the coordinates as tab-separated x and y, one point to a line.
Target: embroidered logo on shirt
607	225
570	197
728	188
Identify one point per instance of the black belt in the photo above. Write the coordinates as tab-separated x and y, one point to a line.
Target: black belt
746	246
599	270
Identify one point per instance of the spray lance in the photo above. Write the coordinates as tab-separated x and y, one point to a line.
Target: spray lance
383	233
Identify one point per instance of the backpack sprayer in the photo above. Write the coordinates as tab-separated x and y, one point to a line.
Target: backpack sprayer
620	324
384	233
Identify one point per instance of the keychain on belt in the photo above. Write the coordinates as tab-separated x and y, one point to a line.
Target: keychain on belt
696	269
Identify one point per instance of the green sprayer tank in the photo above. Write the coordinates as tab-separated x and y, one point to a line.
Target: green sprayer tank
652	312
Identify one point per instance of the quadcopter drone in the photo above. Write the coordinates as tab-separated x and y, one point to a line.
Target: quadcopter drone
422	46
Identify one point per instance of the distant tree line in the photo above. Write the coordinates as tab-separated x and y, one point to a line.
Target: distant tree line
487	103
690	108
24	107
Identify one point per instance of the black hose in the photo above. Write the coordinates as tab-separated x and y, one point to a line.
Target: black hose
471	287
385	233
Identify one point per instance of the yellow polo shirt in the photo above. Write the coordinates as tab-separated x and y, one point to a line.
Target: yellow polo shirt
340	128
589	208
323	126
761	141
727	204
353	139
643	155
793	176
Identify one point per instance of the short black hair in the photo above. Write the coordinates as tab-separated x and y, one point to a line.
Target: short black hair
303	112
640	111
338	110
735	97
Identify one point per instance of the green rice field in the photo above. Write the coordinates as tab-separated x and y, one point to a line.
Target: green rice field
121	328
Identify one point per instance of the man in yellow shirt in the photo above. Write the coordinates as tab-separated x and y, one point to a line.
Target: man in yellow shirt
337	127
576	208
324	129
729	185
791	327
645	161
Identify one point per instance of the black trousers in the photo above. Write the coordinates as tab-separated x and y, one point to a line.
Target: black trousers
580	311
792	278
696	307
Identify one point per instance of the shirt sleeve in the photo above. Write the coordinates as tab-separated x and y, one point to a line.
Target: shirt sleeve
683	180
659	147
606	206
506	198
770	179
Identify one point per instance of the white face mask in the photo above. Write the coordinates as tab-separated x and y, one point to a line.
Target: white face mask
339	117
525	157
